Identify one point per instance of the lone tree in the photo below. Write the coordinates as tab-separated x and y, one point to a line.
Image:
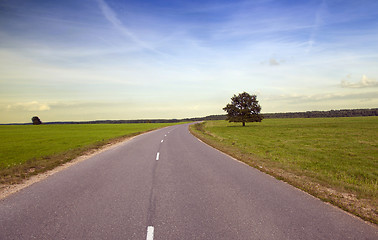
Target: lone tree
36	120
243	108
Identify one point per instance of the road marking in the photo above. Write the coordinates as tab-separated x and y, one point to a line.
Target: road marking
162	140
165	135
150	233
157	156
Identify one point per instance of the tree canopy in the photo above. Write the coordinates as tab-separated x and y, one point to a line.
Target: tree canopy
243	108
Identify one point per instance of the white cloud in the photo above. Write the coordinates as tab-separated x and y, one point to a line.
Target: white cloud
273	62
320	101
28	106
304	98
363	83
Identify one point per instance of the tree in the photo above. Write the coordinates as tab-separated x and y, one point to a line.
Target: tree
36	120
243	108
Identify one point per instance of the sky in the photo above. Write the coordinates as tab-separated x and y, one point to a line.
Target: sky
111	59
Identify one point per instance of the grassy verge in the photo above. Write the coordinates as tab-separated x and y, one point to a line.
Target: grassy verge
28	150
334	159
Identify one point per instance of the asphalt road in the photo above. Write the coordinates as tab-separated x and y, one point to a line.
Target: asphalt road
166	184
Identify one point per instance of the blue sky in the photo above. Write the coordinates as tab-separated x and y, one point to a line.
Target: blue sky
107	59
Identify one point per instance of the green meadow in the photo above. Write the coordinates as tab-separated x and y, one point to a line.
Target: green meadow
335	159
27	149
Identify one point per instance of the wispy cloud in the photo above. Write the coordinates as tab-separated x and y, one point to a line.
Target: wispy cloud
365	82
320	101
111	16
273	62
296	98
319	20
28	106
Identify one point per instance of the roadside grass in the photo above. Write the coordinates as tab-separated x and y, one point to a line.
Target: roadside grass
27	150
335	159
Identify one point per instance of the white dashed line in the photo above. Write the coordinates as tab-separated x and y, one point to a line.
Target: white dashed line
165	135
157	156
162	140
150	233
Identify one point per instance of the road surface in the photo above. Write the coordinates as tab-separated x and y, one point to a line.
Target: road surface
166	184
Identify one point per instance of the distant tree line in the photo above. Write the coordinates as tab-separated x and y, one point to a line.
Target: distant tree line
308	114
325	114
119	121
211	117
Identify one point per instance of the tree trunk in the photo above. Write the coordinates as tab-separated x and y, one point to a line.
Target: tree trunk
243	124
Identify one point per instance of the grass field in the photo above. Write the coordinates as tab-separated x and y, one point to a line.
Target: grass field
27	149
335	159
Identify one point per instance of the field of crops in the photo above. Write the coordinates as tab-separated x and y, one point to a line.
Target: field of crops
42	147
339	154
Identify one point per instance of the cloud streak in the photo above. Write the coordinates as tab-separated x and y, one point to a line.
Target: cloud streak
324	97
365	82
32	106
319	20
111	16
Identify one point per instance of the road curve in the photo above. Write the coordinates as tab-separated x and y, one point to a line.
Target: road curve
166	184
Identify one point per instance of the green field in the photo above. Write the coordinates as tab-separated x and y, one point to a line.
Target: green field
335	159
43	147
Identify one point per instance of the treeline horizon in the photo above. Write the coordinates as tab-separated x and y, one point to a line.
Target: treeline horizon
323	114
307	114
